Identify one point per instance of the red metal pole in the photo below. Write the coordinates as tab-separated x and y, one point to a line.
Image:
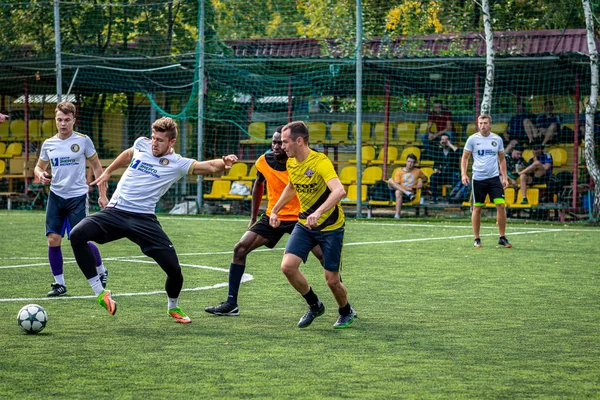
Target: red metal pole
386	124
26	117
290	98
575	143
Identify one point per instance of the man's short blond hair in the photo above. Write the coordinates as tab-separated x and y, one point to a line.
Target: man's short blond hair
485	116
66	107
166	124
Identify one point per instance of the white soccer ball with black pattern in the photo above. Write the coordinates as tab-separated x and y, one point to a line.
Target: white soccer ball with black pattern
32	318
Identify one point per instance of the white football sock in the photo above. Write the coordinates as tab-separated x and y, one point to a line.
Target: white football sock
173	302
60	279
96	285
101	269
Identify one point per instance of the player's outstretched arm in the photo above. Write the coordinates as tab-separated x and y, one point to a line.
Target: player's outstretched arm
121	161
40	172
214	166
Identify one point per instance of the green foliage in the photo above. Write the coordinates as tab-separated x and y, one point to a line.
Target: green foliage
436	318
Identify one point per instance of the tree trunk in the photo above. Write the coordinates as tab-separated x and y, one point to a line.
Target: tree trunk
486	104
590	110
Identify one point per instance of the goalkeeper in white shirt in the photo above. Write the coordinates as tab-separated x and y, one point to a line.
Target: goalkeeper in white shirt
153	167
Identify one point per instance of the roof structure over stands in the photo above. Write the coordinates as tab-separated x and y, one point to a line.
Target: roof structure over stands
264	67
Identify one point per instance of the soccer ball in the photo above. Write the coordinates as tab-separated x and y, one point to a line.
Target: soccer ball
32	318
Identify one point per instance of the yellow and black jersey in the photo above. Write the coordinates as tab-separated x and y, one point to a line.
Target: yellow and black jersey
310	179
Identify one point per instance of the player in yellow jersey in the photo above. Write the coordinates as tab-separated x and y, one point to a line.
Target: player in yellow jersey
321	221
270	169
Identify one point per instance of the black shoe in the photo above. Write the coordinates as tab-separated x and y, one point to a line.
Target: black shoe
225	309
104	279
411	197
504	242
477	243
57	290
311	314
344	321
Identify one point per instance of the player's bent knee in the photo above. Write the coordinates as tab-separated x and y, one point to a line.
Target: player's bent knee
79	235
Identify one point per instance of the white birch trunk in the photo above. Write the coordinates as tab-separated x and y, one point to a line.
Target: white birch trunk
590	110
486	103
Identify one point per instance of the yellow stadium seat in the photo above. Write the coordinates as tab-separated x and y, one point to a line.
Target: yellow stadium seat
251	175
527	154
248	184
4	130
348	175
367	155
471	129
317	132
49	128
379	133
257	132
371	175
17	130
498	128
366	131
2	167
236	172
559	156
219	190
427	171
406	133
392	154
408	150
2	147
352	195
35	129
13	150
338	132
533	198
423	127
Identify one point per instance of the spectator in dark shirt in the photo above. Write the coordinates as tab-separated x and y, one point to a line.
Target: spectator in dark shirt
514	164
446	169
547	124
520	129
538	171
443	124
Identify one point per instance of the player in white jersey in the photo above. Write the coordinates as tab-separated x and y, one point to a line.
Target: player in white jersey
153	168
66	153
489	176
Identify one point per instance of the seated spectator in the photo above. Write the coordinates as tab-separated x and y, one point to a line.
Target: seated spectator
443	124
514	164
547	124
520	129
446	169
404	183
538	171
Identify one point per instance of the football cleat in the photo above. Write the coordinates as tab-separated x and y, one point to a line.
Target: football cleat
311	314
57	290
179	315
477	243
503	241
344	321
224	309
106	301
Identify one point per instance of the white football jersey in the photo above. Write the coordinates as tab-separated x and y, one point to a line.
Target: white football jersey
485	152
147	178
67	159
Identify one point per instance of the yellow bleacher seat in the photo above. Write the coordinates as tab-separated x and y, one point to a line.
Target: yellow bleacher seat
527	154
366	131
559	156
348	175
367	155
379	133
406	133
471	129
371	175
408	150
4	130
317	132
17	130
236	172
338	132
257	132
49	128
498	128
219	190
427	171
351	195
423	127
2	147
35	129
2	167
251	175
533	198
392	154
13	150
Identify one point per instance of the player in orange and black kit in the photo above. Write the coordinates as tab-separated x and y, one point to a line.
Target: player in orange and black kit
271	168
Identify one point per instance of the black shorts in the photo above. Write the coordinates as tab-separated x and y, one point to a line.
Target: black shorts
63	214
492	187
142	229
273	235
539	180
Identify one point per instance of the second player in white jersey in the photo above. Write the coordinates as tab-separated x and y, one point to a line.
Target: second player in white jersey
67	158
148	178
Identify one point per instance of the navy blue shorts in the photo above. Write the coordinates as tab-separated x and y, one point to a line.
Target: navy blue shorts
302	240
63	214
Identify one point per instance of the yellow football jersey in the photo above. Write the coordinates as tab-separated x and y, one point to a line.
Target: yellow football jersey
310	179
